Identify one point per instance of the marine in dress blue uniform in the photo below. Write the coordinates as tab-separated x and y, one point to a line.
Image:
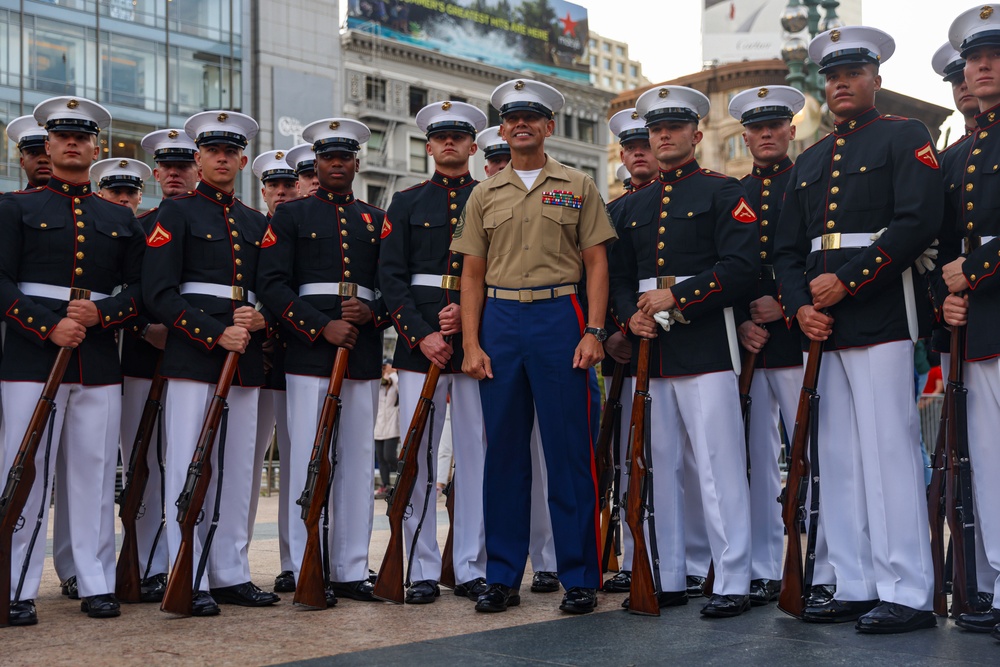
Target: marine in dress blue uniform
54	240
971	226
527	233
767	113
29	137
687	248
863	204
279	183
420	278
302	159
318	274
200	271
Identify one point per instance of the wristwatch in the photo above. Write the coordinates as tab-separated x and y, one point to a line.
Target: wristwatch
600	334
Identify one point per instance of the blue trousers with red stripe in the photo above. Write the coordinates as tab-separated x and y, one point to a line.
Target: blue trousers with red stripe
531	348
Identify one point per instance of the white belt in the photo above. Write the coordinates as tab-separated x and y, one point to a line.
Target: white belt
660	282
337	289
431	280
231	292
836	241
56	292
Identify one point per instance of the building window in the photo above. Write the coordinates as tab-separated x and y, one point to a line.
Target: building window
375	194
587	129
459	98
593	60
492	116
201	80
375	141
132	72
736	147
205	18
418	155
620	50
418	99
633	71
589	171
620	67
606	80
619	84
61	58
593	43
606	46
606	63
375	92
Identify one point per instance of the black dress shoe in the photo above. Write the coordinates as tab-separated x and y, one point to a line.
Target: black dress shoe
423	592
620	583
70	589
284	582
497	597
331	597
22	612
471	589
820	594
578	600
983	602
356	590
666	599
151	589
724	606
101	606
245	595
372	576
203	604
889	618
763	591
544	582
695	586
979	622
838	611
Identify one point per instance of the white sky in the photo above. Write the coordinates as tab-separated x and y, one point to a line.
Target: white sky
665	36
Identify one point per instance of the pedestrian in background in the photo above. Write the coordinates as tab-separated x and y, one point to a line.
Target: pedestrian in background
387	427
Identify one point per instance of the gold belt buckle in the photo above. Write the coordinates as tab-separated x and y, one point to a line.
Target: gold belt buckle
665	282
347	289
525	295
831	241
79	293
451	282
238	293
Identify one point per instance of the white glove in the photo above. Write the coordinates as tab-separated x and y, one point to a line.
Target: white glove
925	262
664	319
877	235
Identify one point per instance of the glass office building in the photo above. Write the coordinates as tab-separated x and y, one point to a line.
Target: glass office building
152	63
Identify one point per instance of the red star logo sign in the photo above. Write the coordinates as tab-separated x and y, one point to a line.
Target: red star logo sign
569	25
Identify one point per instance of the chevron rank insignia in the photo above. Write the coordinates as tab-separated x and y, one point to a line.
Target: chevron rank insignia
269	238
158	237
386	228
927	156
743	212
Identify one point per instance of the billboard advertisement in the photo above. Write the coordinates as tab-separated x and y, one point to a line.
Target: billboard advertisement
736	30
545	36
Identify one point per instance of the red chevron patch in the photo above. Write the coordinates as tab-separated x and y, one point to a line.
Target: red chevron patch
159	237
269	238
927	156
743	212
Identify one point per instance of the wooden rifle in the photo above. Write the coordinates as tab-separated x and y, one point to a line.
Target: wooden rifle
793	594
746	380
128	571
21	476
958	485
179	595
389	584
605	461
643	590
310	589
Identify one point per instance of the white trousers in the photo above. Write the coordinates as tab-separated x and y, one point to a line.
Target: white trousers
86	427
134	393
872	494
352	498
697	550
702	412
469	451
227	563
541	543
272	418
983	381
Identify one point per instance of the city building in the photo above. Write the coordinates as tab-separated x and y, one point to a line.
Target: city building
152	63
610	67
